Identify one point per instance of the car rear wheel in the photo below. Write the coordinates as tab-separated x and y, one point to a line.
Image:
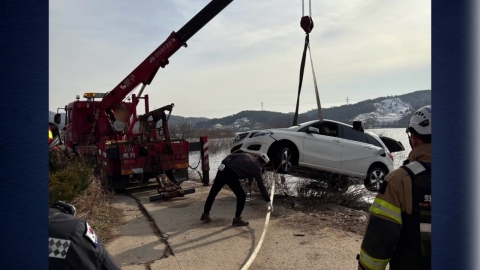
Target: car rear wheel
375	178
284	159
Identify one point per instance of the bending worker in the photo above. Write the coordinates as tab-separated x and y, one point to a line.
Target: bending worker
399	228
72	242
233	168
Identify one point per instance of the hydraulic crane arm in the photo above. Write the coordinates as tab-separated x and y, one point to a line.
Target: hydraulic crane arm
147	70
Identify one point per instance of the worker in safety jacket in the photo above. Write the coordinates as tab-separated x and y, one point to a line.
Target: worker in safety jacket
233	168
399	228
50	135
72	242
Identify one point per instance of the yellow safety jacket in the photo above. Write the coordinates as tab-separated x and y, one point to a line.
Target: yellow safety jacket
50	136
399	227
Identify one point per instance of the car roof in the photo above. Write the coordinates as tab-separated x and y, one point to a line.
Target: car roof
314	121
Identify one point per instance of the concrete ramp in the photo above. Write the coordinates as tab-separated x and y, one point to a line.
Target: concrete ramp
218	245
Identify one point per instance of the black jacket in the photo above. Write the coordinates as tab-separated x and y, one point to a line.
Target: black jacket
74	245
247	166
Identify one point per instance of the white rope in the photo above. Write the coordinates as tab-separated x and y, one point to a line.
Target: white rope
259	245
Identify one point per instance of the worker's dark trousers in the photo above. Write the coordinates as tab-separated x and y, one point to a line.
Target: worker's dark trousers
230	178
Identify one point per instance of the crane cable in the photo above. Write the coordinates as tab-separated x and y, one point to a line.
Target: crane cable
306	23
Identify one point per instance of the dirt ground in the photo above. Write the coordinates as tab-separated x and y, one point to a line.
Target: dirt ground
317	214
303	233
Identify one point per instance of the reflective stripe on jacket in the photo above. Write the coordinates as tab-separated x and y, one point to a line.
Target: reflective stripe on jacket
50	136
390	214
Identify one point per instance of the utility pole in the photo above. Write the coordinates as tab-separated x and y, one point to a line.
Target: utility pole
262	105
347	100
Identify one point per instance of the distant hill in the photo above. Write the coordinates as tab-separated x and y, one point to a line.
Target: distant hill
176	120
173	120
388	111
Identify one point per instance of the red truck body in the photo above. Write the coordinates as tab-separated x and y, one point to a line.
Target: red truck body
104	125
125	156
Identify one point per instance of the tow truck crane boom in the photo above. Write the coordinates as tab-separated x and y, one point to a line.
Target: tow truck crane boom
146	71
102	129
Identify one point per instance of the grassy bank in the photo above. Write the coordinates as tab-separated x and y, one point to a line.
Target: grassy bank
72	180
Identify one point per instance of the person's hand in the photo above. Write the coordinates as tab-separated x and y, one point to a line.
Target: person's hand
270	206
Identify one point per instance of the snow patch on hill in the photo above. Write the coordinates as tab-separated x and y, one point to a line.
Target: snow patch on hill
388	111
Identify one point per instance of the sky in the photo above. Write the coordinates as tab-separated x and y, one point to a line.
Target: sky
247	55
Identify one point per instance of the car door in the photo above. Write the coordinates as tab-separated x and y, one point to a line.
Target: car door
357	154
323	149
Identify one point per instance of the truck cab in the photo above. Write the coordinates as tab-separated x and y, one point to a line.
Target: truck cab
80	119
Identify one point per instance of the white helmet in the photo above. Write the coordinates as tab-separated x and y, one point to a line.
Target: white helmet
421	121
264	158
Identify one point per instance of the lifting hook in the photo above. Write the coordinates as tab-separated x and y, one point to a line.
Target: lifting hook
306	22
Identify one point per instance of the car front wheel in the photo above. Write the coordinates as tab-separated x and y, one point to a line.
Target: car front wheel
284	160
375	178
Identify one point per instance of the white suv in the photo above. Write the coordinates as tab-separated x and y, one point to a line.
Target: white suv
329	146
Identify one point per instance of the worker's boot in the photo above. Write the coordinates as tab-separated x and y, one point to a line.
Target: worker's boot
206	218
239	222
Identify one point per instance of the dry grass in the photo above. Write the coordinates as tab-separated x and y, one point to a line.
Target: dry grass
330	189
95	205
214	133
316	215
325	202
72	180
216	145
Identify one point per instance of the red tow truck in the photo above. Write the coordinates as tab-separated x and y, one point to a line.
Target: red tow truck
129	147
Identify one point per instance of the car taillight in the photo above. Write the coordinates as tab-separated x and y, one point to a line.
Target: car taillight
390	155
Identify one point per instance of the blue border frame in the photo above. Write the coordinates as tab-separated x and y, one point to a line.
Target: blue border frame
24	175
452	92
24	148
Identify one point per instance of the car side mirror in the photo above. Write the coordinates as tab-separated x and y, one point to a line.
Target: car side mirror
313	130
57	118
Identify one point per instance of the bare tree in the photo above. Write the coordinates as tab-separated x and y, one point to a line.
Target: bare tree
185	130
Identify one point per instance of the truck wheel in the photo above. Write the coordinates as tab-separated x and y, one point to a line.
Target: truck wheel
285	158
120	183
115	184
375	178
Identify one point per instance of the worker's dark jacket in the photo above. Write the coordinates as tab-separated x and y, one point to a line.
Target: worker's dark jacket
247	167
399	228
74	245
